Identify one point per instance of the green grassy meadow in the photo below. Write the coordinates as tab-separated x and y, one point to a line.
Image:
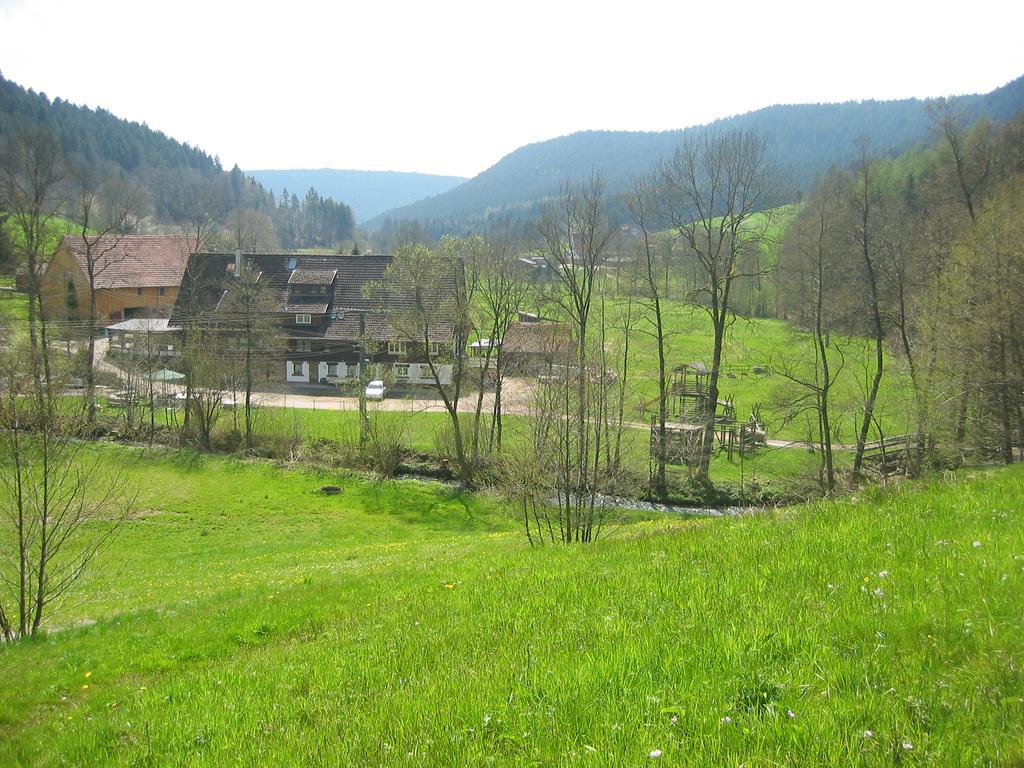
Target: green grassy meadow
241	618
765	343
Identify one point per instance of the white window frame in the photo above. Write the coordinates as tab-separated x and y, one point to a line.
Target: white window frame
401	371
397	347
435	348
297	368
334	366
303	319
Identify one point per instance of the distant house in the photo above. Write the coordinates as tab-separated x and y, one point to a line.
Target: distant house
328	325
535	346
135	276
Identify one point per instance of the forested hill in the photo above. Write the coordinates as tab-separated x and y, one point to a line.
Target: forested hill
177	178
368	193
806	139
97	139
97	135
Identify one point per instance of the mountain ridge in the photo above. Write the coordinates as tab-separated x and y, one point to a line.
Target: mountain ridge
806	139
368	193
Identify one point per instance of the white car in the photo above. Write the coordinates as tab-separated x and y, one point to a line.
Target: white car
376	390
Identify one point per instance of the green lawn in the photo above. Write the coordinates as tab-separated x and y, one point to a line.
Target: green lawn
765	344
243	619
13	305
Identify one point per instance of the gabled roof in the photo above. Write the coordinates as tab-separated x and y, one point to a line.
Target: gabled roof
349	313
132	261
312	277
306	307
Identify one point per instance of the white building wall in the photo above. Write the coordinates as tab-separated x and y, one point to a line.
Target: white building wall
289	376
343	371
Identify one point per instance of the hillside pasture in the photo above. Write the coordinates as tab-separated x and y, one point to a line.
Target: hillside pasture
243	618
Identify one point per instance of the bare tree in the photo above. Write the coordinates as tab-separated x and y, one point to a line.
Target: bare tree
571	408
502	290
208	379
103	212
32	174
863	201
250	231
970	153
640	208
713	193
248	316
808	249
431	312
967	164
59	505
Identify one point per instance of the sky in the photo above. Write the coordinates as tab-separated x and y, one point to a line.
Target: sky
451	87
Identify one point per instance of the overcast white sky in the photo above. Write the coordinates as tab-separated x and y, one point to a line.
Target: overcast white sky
450	86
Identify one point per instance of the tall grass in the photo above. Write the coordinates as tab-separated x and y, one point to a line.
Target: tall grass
244	619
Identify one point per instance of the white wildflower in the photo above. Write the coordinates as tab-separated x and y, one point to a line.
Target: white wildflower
869	734
655	754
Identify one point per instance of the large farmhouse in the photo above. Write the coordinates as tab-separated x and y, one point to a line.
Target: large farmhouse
134	276
328	324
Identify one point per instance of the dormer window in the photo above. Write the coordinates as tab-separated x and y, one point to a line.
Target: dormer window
397	347
293	262
303	319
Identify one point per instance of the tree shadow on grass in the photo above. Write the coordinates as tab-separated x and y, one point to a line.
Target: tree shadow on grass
434	506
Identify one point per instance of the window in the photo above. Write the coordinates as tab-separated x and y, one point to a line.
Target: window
402	372
138	291
397	347
303	345
435	348
162	290
293	262
332	369
303	319
297	368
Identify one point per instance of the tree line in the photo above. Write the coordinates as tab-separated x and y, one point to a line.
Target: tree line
174	177
920	254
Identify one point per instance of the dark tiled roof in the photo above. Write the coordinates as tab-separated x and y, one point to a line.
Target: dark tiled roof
312	277
208	277
309	308
133	261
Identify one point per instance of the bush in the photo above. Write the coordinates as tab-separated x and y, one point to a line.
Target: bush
384	451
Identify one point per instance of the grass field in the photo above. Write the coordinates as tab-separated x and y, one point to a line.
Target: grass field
243	619
766	344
